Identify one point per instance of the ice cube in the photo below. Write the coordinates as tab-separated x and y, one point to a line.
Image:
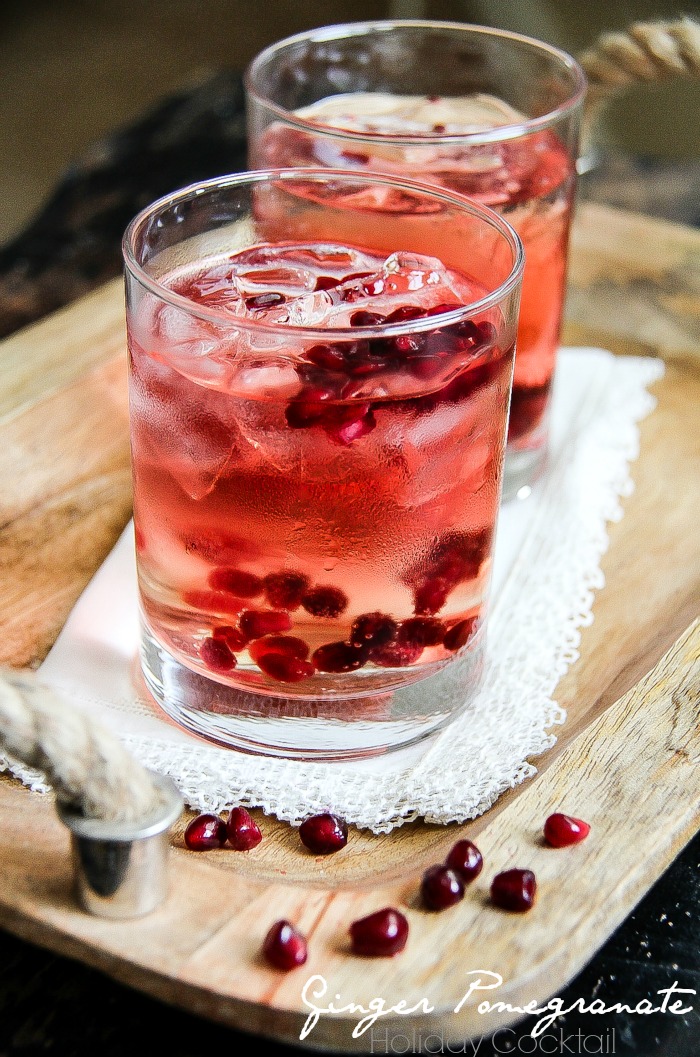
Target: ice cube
181	333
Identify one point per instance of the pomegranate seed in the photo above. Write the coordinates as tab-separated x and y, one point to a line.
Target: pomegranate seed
238	582
408	344
421	631
324	834
405	313
441	887
459	555
395	654
526	409
363	318
326	282
213	602
325	602
329	357
430	596
354	429
441	309
205	832
471	379
562	830
427	367
285	669
356	155
242	831
233	637
219	548
488	333
466	860
258	622
284	946
379	935
288	645
514	890
309	408
216	655
373	629
339	657
460	634
285	590
268	300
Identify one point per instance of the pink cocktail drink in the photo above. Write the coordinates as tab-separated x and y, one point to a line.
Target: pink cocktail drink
497	122
318	429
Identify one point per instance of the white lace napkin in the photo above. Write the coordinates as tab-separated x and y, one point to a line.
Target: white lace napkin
546	569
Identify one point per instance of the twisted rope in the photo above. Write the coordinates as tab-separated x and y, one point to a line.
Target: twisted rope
647	51
89	768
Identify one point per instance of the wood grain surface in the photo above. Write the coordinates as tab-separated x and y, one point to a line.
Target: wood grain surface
624	760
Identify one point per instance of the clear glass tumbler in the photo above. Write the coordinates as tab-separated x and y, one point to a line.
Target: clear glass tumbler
487	113
319	394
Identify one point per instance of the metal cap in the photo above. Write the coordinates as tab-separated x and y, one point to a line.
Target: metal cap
121	868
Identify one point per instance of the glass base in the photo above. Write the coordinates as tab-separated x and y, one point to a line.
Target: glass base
336	727
520	471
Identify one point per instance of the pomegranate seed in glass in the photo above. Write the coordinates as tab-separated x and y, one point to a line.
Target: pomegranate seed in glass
488	113
320	372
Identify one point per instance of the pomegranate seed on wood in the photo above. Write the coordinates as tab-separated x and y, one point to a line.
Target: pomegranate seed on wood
466	860
562	830
284	946
205	832
514	890
379	935
324	834
441	887
242	830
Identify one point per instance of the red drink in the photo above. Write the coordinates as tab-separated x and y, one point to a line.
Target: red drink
530	181
516	156
317	438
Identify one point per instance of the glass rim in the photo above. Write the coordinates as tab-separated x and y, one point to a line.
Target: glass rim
357	29
271	176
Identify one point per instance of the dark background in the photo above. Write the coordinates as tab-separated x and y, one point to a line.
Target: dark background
72	70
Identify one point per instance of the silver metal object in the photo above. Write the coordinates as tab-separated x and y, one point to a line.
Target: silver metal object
120	868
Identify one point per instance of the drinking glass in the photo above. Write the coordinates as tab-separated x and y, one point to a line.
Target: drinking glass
319	392
483	112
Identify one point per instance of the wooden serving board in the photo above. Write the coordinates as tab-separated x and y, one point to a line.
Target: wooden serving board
626	759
